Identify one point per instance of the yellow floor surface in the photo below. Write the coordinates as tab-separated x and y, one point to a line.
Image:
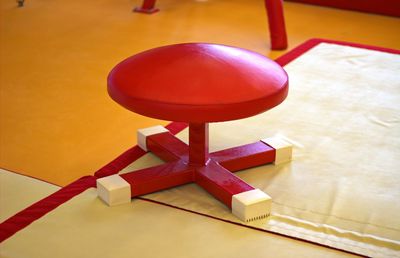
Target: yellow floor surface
57	121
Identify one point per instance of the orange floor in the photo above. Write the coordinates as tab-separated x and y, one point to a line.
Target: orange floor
57	121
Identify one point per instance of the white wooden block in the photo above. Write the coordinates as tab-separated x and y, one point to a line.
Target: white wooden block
251	205
113	190
283	149
143	133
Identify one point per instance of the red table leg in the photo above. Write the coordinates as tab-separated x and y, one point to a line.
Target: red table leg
167	147
276	22
158	178
221	183
147	7
245	156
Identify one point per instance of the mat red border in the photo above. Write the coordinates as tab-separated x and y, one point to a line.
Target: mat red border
22	219
387	7
301	49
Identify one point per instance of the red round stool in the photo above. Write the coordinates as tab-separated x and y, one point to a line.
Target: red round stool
198	83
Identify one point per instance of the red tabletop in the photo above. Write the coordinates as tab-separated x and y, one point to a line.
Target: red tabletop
198	82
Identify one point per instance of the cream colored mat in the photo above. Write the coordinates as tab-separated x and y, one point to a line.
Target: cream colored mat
17	192
86	227
343	186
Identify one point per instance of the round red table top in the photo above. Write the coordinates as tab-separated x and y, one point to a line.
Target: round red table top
198	82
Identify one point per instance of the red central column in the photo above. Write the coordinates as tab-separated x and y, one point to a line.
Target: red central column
198	143
148	4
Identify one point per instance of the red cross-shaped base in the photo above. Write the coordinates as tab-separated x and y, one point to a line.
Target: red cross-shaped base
193	163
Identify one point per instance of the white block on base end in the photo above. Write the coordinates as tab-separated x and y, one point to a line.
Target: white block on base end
283	149
143	133
113	190
251	205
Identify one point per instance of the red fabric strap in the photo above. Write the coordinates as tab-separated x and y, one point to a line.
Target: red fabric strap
25	217
132	154
387	7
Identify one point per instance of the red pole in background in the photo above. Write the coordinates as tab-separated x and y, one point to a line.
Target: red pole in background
276	22
147	7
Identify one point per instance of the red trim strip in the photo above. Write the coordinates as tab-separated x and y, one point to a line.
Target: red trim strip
25	217
301	49
120	162
39	209
386	7
176	127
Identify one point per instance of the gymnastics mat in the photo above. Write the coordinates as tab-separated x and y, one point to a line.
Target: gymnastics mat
342	116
